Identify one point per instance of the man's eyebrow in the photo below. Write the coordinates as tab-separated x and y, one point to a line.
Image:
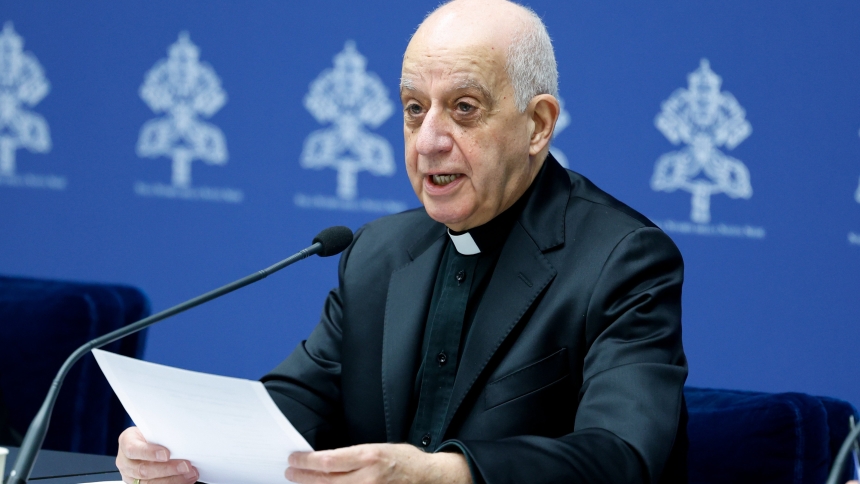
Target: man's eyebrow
473	84
406	83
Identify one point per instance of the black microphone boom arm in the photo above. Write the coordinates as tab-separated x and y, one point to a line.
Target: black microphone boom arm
29	450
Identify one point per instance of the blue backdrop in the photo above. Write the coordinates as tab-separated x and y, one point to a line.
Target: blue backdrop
177	146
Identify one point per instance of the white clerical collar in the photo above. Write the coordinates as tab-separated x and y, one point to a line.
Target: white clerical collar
464	243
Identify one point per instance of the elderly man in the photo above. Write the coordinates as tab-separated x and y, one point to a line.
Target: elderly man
524	326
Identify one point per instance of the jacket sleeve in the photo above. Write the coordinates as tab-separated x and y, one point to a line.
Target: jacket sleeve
631	400
306	385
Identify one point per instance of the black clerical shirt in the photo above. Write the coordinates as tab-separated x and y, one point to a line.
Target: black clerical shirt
461	281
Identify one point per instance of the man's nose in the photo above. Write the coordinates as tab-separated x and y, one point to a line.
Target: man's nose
434	135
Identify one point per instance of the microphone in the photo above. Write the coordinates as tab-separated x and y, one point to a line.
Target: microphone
330	241
334	240
842	455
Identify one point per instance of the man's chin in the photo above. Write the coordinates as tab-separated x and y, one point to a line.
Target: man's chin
455	219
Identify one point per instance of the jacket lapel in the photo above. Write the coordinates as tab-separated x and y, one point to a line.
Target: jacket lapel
521	274
409	293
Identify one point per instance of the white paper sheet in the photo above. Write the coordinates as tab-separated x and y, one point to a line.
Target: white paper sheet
229	428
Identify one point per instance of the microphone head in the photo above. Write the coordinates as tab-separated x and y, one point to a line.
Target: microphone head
334	240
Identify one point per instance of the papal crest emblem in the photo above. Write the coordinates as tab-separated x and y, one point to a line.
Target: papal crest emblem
22	85
351	99
704	119
184	89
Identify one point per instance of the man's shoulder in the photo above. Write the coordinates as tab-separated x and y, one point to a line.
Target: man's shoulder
587	199
596	223
567	206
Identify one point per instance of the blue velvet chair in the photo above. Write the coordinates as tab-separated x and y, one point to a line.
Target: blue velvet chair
751	437
41	324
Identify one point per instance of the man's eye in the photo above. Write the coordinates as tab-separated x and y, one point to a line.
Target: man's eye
413	109
465	107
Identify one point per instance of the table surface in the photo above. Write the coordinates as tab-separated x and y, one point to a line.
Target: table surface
53	467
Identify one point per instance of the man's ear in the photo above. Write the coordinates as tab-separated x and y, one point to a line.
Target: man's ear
544	110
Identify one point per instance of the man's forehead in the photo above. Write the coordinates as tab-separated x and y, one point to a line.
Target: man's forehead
463	45
477	68
455	84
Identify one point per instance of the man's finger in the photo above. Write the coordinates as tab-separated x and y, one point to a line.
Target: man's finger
339	460
168	480
134	446
304	476
146	470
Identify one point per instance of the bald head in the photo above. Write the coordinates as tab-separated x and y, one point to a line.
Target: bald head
511	35
462	22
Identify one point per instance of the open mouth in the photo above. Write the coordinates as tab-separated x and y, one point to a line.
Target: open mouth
442	180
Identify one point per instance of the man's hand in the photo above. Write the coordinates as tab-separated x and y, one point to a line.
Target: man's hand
138	459
378	463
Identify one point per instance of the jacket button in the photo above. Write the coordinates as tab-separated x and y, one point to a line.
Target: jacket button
442	358
425	441
461	276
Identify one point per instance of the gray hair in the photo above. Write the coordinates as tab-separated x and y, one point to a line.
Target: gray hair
531	65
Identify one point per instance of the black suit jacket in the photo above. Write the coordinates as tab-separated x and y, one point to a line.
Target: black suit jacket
574	356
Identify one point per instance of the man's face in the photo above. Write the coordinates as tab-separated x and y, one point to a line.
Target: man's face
467	146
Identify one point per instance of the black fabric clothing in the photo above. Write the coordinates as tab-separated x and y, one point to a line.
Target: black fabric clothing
460	284
573	367
442	338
